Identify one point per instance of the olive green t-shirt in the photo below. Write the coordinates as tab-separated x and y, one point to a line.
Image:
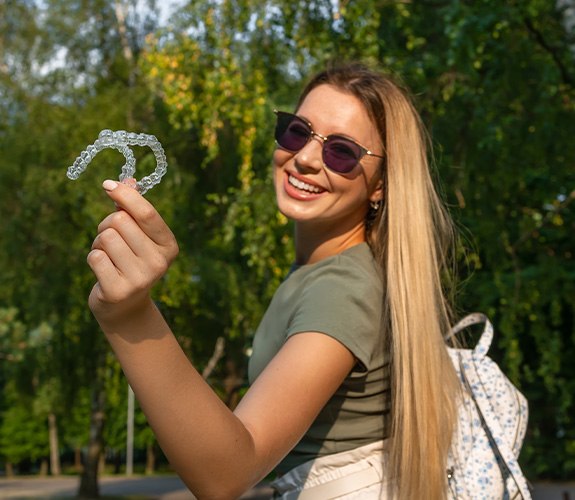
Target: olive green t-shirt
340	296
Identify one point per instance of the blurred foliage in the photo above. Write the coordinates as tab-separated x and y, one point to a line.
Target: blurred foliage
495	85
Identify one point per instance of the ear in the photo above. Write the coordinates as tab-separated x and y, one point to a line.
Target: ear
377	192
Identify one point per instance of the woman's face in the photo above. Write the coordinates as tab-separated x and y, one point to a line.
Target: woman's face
307	191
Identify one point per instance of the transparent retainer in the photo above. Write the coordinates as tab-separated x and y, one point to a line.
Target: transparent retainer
121	140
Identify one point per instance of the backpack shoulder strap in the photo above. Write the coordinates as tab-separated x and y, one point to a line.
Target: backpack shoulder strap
484	343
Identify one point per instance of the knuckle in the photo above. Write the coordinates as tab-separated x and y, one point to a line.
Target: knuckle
120	218
173	251
108	236
159	265
116	219
95	257
147	213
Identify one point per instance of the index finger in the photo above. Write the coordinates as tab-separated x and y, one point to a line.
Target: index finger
141	210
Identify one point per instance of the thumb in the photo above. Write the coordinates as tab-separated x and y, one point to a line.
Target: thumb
130	181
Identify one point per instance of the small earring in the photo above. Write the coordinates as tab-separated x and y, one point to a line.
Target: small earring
375	205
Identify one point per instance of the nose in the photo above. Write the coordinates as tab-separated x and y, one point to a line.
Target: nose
318	137
310	156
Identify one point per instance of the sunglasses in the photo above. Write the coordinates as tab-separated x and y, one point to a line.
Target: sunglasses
340	154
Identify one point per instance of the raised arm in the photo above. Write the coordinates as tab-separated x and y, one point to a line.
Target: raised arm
218	454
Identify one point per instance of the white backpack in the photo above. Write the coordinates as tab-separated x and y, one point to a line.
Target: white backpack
482	463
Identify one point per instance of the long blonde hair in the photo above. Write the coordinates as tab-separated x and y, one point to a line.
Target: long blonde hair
410	237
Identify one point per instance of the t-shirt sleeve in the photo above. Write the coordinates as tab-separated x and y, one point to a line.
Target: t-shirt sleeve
344	302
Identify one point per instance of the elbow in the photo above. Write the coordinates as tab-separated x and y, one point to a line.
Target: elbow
222	485
217	491
223	476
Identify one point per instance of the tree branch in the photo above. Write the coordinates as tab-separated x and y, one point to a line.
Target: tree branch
545	222
216	356
552	51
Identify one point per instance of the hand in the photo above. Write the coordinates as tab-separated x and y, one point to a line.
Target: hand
132	251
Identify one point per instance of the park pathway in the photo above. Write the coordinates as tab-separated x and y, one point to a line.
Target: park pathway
172	488
140	487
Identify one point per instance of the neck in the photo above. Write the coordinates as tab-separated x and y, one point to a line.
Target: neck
312	244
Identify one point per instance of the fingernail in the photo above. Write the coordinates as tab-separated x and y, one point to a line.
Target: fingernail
109	185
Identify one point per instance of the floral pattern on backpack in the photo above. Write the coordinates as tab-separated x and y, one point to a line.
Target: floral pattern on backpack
493	416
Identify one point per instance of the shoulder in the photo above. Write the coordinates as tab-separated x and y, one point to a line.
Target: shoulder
355	266
342	297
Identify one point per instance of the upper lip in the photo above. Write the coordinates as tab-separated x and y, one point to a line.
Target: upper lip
306	180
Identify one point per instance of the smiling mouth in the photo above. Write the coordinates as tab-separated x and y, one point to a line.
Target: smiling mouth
304	186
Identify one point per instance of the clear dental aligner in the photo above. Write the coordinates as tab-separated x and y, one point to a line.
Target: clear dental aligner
121	140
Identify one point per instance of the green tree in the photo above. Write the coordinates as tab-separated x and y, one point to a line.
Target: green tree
52	111
24	434
494	83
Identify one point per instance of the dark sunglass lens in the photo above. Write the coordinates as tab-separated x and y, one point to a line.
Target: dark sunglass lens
340	154
291	133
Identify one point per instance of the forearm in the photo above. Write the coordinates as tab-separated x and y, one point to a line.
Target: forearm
205	442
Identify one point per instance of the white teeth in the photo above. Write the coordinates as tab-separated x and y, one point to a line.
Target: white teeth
303	185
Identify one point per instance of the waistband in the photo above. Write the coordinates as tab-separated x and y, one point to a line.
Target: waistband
335	476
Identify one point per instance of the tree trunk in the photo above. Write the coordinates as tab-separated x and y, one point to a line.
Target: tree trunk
120	11
233	382
150	459
89	487
78	467
55	468
9	469
102	463
43	468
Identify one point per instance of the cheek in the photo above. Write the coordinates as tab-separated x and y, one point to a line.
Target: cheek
279	160
280	157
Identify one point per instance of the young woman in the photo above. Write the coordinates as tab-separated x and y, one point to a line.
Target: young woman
352	392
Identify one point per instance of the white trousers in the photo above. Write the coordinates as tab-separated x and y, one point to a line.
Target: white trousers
350	475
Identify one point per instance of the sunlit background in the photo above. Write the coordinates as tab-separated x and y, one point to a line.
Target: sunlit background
494	81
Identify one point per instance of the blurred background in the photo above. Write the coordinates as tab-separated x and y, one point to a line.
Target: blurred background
493	79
